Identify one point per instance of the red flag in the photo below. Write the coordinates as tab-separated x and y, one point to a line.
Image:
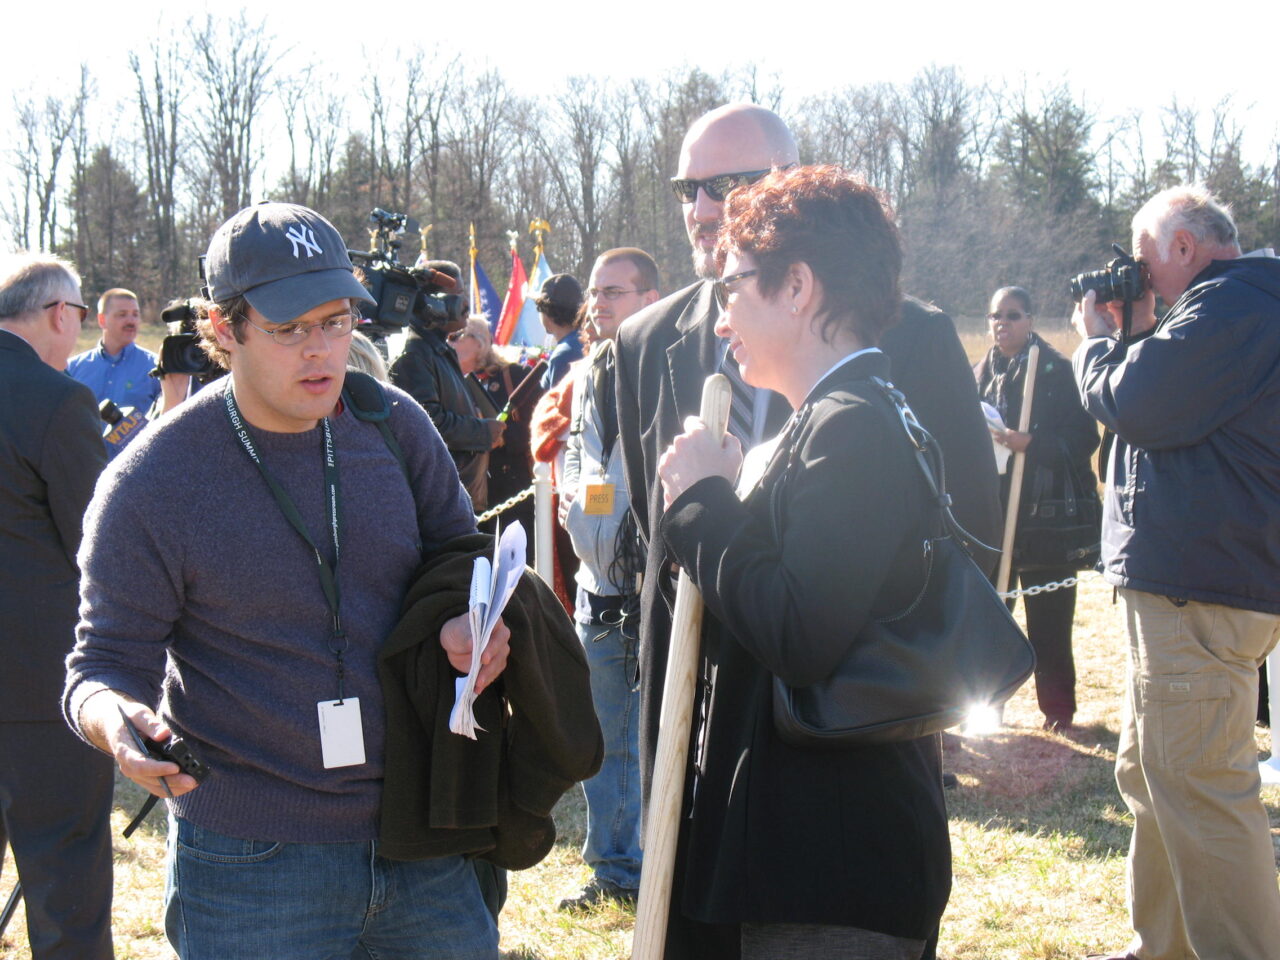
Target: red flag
513	302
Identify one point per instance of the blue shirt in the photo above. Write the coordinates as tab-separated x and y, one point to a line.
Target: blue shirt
122	379
567	350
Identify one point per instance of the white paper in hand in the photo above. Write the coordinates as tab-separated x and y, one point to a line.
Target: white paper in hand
995	423
492	584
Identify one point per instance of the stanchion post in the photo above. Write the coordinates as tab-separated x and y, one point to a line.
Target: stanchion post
543	518
667	792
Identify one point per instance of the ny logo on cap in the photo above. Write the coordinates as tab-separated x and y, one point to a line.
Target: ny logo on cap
305	236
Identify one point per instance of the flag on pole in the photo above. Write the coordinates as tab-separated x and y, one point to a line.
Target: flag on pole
484	299
513	302
529	331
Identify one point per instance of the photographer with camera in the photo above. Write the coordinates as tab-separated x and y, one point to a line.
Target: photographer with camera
1191	539
428	371
258	644
183	367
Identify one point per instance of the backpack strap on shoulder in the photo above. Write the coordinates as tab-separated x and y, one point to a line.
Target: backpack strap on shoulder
367	400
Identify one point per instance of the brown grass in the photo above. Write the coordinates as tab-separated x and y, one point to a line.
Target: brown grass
1038	837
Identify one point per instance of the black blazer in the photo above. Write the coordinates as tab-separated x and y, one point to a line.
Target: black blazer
51	453
664	354
855	837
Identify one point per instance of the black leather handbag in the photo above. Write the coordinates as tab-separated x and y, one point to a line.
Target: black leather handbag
920	671
1061	522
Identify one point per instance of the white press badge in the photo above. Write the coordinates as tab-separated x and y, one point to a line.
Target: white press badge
597	496
341	733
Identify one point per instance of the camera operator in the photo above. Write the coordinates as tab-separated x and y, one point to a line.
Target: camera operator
1191	540
428	371
182	367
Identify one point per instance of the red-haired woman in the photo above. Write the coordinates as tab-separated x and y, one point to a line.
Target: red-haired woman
796	851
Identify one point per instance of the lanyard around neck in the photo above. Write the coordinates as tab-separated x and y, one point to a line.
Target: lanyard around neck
328	573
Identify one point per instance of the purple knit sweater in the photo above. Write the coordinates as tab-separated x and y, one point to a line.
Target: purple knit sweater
198	595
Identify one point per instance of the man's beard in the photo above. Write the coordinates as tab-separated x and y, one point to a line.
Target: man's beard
704	264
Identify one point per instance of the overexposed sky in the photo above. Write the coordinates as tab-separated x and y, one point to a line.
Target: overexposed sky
1151	54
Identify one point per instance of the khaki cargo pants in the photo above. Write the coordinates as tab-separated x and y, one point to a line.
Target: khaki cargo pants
1202	868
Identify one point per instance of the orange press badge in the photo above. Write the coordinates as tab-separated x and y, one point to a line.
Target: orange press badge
597	498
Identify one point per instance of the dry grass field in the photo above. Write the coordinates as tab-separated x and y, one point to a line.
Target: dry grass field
1038	835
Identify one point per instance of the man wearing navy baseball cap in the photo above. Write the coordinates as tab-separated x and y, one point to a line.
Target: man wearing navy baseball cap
249	625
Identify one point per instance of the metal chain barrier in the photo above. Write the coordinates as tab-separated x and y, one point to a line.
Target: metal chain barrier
1044	587
505	505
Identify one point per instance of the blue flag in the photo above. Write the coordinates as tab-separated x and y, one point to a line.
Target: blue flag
484	299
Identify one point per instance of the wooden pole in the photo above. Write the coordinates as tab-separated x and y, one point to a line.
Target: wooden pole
1019	465
667	792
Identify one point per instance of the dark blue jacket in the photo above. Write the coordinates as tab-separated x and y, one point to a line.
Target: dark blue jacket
1193	484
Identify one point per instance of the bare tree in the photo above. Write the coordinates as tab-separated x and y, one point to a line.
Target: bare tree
46	127
161	93
234	66
572	139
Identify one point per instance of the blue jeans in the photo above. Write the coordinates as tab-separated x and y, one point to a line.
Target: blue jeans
612	848
228	898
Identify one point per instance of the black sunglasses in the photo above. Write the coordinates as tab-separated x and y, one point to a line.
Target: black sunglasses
717	187
84	311
721	287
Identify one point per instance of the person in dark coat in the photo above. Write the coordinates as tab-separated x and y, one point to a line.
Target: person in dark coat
805	851
493	380
428	371
1058	444
55	792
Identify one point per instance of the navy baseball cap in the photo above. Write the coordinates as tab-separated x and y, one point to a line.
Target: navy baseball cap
283	258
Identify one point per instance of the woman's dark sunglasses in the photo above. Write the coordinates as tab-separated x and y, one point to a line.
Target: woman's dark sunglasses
717	187
721	287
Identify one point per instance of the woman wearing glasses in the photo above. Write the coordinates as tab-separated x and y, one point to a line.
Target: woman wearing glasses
1057	446
786	850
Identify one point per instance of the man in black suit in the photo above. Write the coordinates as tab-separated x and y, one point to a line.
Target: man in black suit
55	792
665	353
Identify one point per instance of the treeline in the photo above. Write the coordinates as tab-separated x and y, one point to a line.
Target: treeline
991	186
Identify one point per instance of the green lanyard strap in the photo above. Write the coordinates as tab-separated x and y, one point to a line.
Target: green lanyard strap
328	574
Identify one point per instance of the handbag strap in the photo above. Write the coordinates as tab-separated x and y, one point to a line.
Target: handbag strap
928	455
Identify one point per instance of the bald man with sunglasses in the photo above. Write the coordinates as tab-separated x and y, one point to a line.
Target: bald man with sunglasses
665	353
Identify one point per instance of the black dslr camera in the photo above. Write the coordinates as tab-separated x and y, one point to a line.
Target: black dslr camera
1123	279
180	351
404	295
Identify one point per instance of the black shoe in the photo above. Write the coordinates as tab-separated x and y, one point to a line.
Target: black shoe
1058	724
950	781
597	892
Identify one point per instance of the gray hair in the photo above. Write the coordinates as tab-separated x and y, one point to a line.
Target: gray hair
1191	208
30	280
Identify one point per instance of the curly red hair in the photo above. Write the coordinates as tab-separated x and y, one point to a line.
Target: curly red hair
836	223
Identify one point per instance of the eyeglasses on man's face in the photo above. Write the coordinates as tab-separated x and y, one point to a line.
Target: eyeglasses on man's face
721	287
717	187
84	311
610	293
289	334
